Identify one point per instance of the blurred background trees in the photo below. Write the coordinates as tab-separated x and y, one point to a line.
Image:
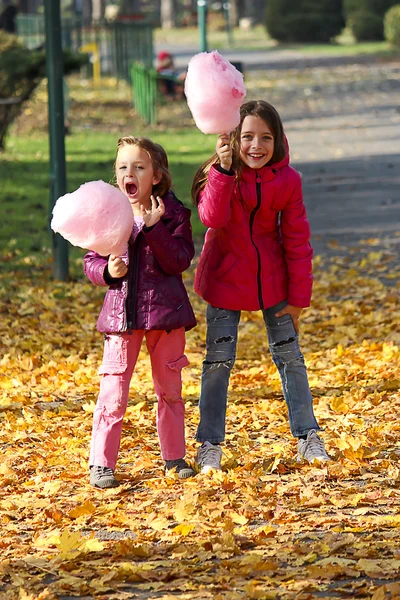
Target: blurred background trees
21	71
287	21
304	20
366	17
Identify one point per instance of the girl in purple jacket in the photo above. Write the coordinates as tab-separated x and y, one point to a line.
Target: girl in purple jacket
256	256
146	298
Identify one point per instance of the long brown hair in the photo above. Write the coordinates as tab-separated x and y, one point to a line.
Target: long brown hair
158	157
255	108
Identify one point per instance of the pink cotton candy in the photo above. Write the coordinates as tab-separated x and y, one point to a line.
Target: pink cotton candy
214	90
97	216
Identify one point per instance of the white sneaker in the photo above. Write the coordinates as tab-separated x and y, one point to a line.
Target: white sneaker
209	457
313	448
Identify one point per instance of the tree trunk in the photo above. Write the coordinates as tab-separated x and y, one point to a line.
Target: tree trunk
28	6
235	12
87	12
130	7
99	9
168	14
10	111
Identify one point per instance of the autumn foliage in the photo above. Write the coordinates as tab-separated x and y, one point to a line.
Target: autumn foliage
265	527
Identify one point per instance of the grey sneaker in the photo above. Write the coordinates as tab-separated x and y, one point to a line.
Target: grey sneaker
180	465
313	448
209	457
102	477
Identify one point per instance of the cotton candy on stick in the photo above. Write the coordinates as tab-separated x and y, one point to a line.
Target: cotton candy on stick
97	216
215	91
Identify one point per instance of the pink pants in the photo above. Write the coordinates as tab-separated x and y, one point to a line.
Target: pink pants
120	355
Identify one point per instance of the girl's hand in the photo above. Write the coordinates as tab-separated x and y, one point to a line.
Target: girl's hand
116	266
294	312
152	215
224	151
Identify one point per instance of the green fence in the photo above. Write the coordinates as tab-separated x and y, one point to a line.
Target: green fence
148	93
119	42
144	92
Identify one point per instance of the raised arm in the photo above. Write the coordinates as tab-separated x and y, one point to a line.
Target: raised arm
215	198
173	247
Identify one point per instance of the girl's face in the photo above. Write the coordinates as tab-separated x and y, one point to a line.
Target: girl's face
256	142
135	175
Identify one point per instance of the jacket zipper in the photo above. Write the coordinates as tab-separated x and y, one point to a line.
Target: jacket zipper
252	217
132	283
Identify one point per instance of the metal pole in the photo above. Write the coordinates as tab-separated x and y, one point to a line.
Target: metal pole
55	74
227	6
202	23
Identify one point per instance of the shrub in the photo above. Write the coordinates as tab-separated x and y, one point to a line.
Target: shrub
304	20
366	26
378	7
21	71
392	25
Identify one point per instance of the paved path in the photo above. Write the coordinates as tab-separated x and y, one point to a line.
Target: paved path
345	139
270	58
342	118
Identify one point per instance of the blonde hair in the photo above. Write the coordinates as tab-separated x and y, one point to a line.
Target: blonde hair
256	108
158	157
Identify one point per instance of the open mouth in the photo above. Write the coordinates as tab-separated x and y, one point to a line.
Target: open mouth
131	189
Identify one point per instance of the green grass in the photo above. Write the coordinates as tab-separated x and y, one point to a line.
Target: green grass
25	183
258	39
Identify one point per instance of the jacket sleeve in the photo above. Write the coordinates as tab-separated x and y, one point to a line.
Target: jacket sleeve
295	230
173	249
215	199
94	266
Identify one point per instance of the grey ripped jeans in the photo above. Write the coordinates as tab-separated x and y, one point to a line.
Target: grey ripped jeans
222	333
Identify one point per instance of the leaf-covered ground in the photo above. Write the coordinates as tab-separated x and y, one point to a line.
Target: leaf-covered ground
265	527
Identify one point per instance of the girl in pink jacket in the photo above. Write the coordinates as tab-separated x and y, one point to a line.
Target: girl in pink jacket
256	256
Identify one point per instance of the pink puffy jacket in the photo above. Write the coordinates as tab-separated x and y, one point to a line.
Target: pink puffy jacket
257	249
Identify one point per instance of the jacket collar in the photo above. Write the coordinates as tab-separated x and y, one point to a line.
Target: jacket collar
170	201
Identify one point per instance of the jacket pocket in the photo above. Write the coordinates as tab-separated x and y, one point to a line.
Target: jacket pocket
115	357
227	263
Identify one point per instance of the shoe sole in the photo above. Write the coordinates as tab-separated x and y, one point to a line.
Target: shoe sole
105	485
208	469
186	474
319	459
182	474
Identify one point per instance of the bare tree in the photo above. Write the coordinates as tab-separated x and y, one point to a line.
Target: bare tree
28	6
99	9
87	11
168	14
234	12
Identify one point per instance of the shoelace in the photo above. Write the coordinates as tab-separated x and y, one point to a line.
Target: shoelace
104	471
315	446
213	455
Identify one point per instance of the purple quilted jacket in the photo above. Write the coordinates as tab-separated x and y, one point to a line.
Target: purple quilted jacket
152	294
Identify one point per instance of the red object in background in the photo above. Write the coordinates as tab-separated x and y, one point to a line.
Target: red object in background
162	55
135	17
